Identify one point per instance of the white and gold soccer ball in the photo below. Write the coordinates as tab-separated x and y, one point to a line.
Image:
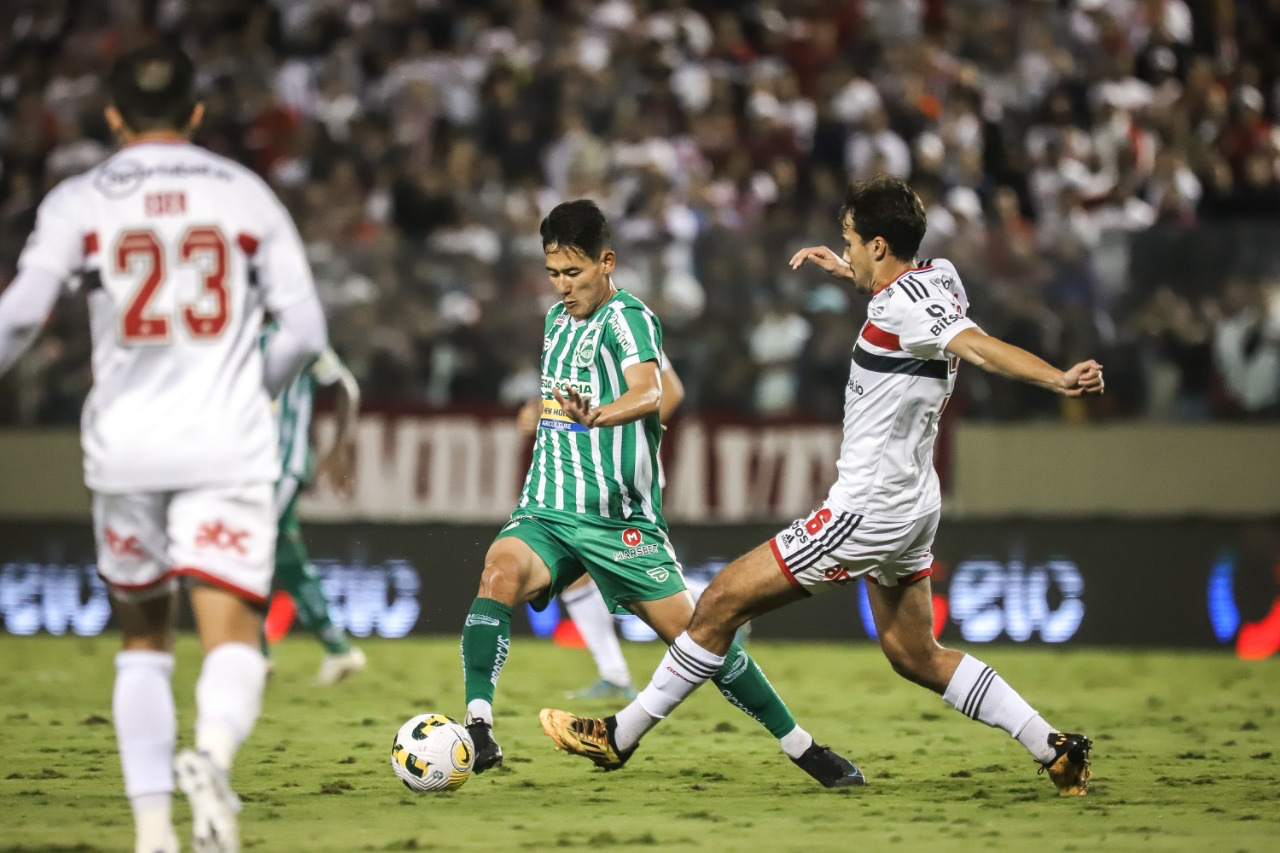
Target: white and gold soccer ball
432	752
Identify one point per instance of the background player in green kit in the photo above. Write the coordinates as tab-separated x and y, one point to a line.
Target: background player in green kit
294	572
592	501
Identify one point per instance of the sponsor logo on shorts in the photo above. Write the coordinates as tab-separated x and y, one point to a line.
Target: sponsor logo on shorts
215	534
837	574
478	619
659	574
788	538
639	551
631	537
124	546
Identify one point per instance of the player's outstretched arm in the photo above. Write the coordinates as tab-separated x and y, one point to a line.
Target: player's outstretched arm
996	356
831	263
642	398
24	307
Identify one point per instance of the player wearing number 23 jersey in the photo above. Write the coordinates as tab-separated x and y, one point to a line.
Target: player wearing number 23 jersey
178	251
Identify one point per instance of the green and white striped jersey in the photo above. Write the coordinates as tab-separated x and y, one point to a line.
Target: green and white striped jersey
607	471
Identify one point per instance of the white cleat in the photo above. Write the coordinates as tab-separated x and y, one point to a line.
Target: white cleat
214	805
334	668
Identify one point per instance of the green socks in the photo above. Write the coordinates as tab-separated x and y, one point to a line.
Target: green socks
486	642
743	683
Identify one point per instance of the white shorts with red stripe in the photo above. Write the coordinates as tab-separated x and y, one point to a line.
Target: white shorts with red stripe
833	547
224	536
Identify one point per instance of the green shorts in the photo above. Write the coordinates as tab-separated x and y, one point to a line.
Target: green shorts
629	560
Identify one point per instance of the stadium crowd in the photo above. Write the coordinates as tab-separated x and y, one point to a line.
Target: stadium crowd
1105	175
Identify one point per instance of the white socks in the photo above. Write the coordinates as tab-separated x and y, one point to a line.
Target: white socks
980	694
587	609
479	710
146	732
228	699
684	668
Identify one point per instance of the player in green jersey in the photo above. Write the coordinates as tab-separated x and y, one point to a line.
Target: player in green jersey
582	599
294	572
592	501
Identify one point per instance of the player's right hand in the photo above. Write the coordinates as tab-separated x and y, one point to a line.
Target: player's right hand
821	256
1083	378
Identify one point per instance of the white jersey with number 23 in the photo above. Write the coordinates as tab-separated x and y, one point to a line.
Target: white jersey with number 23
179	250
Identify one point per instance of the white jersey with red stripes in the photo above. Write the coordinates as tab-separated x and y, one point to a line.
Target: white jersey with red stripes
179	251
898	385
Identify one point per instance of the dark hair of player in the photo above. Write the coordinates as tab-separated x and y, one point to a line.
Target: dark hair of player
576	225
153	88
886	207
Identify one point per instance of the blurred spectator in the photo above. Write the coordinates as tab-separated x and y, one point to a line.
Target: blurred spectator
1097	170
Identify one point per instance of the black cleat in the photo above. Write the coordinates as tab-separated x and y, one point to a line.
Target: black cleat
1069	769
488	753
829	768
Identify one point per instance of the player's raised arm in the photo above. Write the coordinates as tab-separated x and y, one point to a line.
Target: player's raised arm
996	356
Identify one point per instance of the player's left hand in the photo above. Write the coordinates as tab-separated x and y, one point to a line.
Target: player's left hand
577	407
338	466
1083	378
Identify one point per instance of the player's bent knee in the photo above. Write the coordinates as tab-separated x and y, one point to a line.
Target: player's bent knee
503	579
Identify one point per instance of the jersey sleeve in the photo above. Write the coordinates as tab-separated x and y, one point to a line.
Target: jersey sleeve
636	337
60	239
327	369
929	324
281	259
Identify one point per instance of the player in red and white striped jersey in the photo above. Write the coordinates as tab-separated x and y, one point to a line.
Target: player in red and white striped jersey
179	253
880	517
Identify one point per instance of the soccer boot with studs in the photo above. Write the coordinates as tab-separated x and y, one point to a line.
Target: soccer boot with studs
214	827
488	753
829	768
589	737
1069	770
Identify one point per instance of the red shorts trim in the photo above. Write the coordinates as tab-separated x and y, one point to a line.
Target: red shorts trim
213	580
135	587
782	564
909	579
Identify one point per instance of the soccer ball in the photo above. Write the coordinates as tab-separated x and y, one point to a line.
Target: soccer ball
432	753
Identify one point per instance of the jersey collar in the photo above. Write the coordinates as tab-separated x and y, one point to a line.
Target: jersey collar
920	268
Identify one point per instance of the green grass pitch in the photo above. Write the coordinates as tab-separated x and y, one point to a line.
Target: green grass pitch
1186	757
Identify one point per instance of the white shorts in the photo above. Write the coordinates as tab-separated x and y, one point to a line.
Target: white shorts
224	536
833	547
